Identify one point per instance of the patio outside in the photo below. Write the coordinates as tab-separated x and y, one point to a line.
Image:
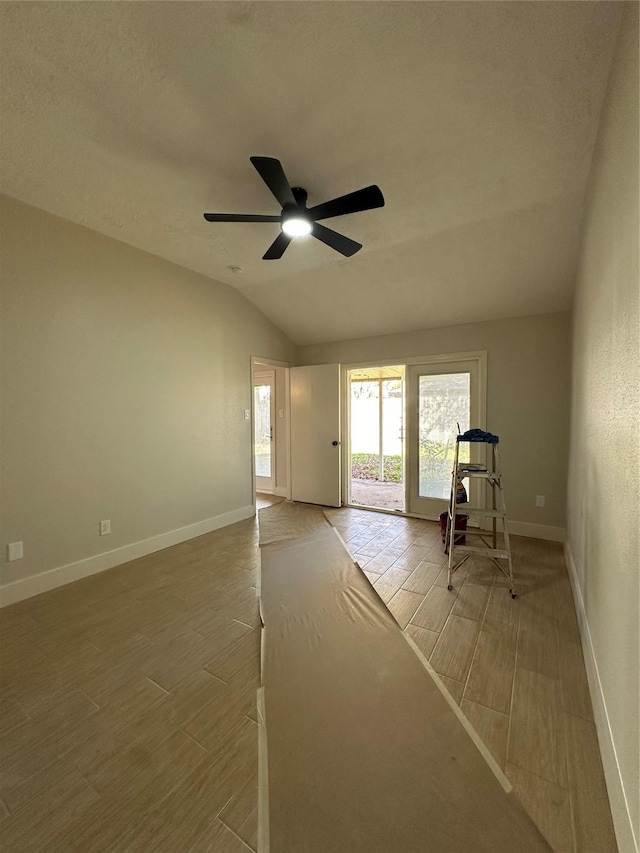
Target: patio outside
377	435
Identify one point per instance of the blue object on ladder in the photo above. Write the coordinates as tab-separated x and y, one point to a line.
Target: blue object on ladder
478	435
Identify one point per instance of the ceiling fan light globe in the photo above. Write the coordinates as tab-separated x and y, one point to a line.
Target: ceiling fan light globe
296	226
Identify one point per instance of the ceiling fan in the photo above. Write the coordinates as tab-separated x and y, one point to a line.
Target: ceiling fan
296	219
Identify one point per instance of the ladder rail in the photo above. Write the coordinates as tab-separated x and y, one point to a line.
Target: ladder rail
504	519
493	502
451	520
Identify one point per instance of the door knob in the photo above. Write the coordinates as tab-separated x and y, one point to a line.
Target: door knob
334	443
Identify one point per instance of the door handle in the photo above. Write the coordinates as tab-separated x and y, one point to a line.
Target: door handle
334	443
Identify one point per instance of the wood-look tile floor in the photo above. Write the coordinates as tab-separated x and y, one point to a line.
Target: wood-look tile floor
263	500
128	710
515	667
128	721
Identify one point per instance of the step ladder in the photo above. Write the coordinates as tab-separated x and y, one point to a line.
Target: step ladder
492	477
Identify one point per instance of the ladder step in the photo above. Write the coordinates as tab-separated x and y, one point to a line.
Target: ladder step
487	475
498	553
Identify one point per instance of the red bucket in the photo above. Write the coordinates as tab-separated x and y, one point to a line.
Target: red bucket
461	524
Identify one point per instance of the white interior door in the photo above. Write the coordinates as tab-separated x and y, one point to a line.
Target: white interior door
440	397
315	434
263	424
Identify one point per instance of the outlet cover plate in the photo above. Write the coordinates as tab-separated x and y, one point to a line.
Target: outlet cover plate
15	551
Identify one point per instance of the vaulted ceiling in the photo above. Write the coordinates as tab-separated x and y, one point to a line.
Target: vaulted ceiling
476	119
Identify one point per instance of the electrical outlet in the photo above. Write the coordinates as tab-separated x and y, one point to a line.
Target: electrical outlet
540	499
105	527
14	551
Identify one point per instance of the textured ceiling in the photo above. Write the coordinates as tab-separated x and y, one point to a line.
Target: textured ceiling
477	120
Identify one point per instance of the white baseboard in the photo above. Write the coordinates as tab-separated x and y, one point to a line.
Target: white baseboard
627	842
281	491
27	587
517	528
537	531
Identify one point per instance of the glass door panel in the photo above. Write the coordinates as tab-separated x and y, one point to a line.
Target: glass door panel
444	401
376	437
443	398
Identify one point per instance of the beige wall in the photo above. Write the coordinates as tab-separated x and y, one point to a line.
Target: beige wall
527	397
282	460
604	498
124	380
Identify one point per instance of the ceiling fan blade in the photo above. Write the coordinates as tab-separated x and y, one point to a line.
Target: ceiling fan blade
337	241
365	199
276	249
272	173
240	217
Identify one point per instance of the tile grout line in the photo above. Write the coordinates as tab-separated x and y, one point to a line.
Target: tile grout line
155	683
475	648
88	698
565	742
93	788
513	684
186	734
227	803
233	832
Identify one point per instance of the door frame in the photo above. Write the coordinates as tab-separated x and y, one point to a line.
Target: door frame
479	356
266	375
271	362
345	427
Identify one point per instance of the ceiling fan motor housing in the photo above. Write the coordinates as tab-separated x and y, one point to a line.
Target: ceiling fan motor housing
300	196
297	212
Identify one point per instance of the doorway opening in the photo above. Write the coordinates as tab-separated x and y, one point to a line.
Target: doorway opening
376	446
270	430
263	422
